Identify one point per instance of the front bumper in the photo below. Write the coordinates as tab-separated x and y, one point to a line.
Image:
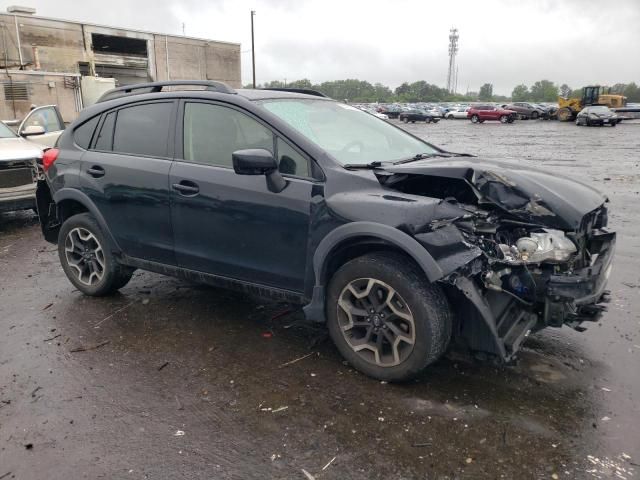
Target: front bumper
18	198
576	297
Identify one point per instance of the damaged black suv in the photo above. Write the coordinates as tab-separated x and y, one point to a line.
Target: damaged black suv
399	246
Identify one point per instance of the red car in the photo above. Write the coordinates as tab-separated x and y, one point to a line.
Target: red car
481	113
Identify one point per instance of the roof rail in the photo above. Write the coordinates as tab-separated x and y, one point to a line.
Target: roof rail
154	87
306	91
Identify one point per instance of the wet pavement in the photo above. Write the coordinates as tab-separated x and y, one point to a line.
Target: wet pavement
171	380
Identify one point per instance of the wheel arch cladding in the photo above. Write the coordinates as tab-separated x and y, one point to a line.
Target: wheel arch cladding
371	231
71	196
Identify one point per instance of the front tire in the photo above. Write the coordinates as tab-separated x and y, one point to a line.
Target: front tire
86	256
385	318
534	115
504	118
475	119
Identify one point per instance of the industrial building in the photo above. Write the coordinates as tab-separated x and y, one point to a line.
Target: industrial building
48	61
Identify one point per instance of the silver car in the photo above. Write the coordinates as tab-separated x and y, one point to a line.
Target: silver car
20	153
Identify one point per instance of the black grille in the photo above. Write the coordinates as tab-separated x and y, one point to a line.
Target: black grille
15	177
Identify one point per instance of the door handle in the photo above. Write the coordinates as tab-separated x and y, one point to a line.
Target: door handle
186	188
96	171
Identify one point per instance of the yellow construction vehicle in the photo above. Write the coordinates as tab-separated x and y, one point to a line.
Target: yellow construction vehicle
568	108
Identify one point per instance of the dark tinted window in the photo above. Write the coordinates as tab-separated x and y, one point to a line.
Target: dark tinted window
105	136
83	134
212	133
143	129
290	161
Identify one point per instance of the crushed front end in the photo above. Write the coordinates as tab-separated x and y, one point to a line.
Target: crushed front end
527	250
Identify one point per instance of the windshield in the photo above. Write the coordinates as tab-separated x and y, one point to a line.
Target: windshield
6	132
351	136
600	109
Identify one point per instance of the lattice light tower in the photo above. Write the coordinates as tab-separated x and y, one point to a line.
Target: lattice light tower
453	50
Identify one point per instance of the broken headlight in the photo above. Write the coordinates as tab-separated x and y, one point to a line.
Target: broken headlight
546	246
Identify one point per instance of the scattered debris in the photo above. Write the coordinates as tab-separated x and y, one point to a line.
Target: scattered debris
280	409
327	465
180	406
469	460
93	347
422	444
179	433
555	476
313	374
296	360
29	446
605	419
145	301
266	334
33	394
163	365
97	325
5	475
605	389
52	338
307	474
49	305
630	285
381	419
282	314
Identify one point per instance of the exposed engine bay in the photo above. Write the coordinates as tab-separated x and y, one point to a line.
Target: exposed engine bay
526	254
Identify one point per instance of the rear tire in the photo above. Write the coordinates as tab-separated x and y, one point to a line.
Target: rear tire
86	256
409	317
405	120
613	124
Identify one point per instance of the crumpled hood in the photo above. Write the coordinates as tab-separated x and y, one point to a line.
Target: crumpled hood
531	195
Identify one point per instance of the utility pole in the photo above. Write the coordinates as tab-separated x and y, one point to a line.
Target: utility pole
453	50
183	34
253	50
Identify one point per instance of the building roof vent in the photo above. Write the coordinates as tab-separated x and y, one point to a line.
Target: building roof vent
21	10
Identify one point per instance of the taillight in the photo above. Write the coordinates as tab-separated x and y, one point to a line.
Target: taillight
49	157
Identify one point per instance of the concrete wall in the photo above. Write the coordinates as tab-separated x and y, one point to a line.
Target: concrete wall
196	59
44	89
62	45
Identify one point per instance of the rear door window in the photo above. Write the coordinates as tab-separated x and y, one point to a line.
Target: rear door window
143	129
104	140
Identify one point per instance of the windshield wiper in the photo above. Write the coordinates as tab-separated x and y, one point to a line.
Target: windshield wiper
364	165
420	156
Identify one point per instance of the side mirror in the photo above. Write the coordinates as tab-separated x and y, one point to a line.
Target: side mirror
32	130
259	161
253	162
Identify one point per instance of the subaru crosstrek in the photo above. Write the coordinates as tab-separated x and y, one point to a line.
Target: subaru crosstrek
399	246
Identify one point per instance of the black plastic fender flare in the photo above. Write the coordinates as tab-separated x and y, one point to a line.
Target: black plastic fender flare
314	310
85	201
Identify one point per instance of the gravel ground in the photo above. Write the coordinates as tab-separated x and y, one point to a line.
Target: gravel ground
168	380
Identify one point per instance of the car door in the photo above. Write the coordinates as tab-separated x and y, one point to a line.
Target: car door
48	117
232	225
125	173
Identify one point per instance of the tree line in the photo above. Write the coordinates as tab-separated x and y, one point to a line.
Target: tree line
361	91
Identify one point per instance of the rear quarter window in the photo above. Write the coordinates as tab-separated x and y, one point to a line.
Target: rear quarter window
83	134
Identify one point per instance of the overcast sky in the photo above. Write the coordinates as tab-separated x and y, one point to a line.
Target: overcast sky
504	42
